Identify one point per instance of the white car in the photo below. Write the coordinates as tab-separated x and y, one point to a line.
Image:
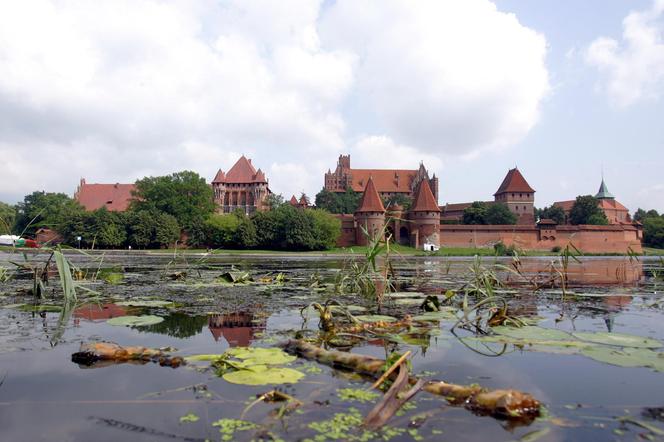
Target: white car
8	240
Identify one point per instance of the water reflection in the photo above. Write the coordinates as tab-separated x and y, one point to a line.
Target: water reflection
97	312
238	329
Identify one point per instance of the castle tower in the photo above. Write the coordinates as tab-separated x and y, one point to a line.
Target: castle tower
425	217
519	197
370	214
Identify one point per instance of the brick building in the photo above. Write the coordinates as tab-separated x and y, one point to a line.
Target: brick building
242	187
514	192
388	182
615	212
114	197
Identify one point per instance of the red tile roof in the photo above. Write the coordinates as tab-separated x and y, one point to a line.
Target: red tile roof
385	180
565	205
220	177
514	182
611	204
115	197
370	201
243	172
293	201
424	199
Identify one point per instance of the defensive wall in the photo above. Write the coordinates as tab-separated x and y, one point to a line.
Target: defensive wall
590	239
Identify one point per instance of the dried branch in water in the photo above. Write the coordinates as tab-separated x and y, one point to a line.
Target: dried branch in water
393	399
99	354
506	404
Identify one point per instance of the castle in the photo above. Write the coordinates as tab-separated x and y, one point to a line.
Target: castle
388	182
425	224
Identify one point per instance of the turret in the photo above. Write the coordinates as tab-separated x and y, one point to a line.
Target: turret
370	215
424	216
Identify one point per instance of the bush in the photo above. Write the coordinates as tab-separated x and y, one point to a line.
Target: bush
502	250
556	249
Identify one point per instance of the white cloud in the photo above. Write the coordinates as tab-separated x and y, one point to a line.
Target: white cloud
381	152
633	69
116	89
446	76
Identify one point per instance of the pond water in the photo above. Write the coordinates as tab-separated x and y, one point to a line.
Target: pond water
45	396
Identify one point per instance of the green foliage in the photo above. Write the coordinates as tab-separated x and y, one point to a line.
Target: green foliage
653	231
475	214
7	218
335	202
398	199
586	210
184	195
482	213
233	230
289	228
554	213
272	201
503	250
499	213
42	209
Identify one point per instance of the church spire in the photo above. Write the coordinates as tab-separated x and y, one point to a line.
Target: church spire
604	191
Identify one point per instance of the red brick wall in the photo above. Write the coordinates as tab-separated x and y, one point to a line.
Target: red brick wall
590	239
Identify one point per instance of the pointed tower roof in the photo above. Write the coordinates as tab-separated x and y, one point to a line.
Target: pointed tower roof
604	192
370	201
293	201
220	177
424	200
514	182
243	172
303	200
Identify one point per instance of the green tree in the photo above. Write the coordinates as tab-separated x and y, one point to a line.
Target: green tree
554	213
166	230
398	199
245	234
586	210
220	230
42	209
350	200
7	218
499	213
329	201
109	228
140	228
273	201
327	229
639	215
475	213
653	231
184	195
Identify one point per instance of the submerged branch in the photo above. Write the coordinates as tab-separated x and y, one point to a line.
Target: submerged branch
505	404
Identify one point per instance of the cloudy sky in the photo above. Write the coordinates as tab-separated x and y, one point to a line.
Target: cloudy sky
114	90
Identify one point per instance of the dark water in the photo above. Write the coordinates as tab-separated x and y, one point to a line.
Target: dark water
44	396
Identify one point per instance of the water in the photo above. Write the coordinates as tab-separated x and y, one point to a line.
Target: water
44	396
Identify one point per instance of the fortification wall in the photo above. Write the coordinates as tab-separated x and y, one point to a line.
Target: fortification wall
590	239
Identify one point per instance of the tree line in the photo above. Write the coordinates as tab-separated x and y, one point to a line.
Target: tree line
167	208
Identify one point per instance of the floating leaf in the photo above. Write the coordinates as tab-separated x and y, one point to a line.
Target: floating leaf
397	295
627	357
263	375
145	303
434	316
350	308
533	332
189	417
375	318
135	321
261	356
619	339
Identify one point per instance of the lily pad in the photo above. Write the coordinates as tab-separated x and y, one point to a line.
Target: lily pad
145	303
434	316
397	295
350	308
376	318
135	321
263	375
533	333
261	356
619	339
627	357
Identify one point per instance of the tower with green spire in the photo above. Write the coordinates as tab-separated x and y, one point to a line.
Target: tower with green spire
604	193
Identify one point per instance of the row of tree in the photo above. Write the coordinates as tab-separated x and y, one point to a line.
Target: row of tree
164	207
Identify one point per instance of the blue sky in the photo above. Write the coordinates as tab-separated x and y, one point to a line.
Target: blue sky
128	88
